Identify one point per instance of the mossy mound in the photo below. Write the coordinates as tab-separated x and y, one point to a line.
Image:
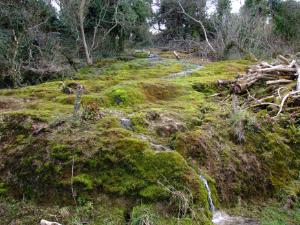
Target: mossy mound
144	138
160	91
108	161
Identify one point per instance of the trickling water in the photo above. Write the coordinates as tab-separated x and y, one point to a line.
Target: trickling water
220	217
210	201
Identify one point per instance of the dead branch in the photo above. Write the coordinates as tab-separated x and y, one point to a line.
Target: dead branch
283	101
280	81
199	22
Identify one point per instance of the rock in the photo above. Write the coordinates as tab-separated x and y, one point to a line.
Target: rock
45	222
159	148
290	203
152	116
126	123
154	145
169	127
64	212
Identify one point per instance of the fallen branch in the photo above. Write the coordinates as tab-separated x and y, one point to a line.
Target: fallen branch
280	81
283	101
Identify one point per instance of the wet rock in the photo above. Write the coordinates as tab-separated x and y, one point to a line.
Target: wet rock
184	73
159	147
118	100
154	145
126	123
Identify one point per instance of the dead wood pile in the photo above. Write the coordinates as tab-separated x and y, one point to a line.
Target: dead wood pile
280	79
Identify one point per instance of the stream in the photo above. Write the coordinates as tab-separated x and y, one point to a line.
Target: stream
222	218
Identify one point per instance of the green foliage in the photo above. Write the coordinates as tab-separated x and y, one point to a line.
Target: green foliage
286	15
84	180
279	216
143	215
125	96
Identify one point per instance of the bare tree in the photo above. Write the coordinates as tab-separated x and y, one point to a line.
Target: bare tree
200	23
82	7
74	14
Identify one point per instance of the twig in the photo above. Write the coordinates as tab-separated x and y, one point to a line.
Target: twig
72	178
283	101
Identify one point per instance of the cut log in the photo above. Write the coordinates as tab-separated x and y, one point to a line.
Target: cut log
45	222
283	59
225	82
298	79
176	55
280	81
279	68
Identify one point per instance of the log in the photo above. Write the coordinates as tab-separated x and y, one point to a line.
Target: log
283	59
280	81
265	65
278	68
45	222
176	55
298	79
224	82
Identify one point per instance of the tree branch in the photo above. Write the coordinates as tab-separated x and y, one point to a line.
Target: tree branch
199	22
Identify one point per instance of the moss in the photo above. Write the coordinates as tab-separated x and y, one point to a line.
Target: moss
61	152
139	122
279	216
109	159
160	91
125	96
3	189
84	180
108	122
141	54
154	214
154	192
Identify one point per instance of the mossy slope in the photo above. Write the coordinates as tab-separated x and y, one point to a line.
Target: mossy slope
43	144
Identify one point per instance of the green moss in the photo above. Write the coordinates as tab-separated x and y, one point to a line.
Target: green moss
61	152
108	122
84	180
139	123
141	54
125	96
3	189
279	216
160	91
153	214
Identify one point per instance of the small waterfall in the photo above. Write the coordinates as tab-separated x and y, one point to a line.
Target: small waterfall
210	201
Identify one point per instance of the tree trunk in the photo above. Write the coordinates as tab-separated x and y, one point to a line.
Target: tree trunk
88	57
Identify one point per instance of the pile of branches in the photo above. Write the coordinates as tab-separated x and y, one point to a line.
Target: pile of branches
280	79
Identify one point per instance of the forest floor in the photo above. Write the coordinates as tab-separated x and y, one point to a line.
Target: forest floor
133	152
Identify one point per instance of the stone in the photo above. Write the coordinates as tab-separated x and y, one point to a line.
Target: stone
126	123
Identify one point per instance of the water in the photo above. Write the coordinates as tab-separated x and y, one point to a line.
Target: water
222	218
210	201
185	72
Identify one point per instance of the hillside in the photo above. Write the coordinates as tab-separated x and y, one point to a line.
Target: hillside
132	154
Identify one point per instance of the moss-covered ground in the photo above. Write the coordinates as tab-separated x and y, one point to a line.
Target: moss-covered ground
136	147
